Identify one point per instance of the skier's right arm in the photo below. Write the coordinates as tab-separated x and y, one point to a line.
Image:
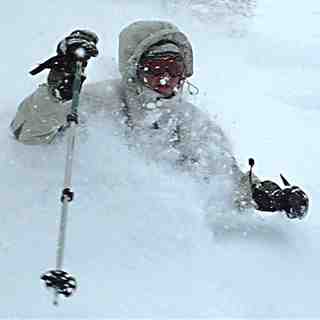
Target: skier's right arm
42	115
39	118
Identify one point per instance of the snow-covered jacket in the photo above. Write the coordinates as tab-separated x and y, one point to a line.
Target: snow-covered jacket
166	129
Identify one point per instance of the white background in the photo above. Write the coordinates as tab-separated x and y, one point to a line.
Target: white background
142	240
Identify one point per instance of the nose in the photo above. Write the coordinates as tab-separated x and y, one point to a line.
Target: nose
166	74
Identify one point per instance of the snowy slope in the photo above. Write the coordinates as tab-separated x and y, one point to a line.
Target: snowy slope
143	240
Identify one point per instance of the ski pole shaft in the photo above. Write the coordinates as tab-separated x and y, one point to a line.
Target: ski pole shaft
62	234
67	194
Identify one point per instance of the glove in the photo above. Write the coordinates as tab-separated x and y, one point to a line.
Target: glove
79	39
268	196
294	202
61	75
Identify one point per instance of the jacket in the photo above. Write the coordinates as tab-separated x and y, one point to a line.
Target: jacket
164	129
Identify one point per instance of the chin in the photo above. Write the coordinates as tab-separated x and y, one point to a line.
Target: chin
167	94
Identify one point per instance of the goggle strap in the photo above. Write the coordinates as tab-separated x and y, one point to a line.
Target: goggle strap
192	89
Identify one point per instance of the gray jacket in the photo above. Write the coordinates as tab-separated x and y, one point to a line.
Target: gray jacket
166	129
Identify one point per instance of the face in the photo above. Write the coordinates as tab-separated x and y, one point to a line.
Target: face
163	74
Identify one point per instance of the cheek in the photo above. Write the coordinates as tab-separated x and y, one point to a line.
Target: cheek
175	82
152	81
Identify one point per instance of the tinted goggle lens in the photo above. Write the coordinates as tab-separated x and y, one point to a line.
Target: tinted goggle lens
172	65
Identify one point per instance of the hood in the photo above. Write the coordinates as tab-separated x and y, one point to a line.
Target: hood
139	36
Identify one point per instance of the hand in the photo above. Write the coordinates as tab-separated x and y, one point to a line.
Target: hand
270	197
265	194
294	202
80	44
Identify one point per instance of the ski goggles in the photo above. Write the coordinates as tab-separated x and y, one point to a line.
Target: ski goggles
170	64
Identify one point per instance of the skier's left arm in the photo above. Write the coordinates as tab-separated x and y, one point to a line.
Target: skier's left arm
268	196
206	150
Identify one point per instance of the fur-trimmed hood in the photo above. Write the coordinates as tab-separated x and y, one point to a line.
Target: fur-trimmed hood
138	37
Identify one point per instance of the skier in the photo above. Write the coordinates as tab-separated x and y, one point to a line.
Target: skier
155	61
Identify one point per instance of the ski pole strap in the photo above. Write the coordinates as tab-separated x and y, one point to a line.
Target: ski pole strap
73	117
67	194
48	64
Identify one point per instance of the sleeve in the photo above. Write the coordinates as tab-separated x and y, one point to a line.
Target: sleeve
205	147
203	144
243	191
39	118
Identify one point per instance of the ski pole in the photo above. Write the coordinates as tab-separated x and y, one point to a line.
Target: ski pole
62	282
251	164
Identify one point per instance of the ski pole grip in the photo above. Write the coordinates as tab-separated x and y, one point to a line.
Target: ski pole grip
76	87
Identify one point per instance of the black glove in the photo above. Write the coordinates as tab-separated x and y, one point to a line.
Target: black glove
270	197
294	202
79	39
79	45
62	66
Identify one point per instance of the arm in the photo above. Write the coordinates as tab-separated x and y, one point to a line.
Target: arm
269	197
42	115
205	149
39	118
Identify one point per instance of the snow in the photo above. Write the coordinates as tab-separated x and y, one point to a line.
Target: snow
144	240
80	53
164	81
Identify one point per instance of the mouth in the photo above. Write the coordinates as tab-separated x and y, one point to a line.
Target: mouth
169	87
166	90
